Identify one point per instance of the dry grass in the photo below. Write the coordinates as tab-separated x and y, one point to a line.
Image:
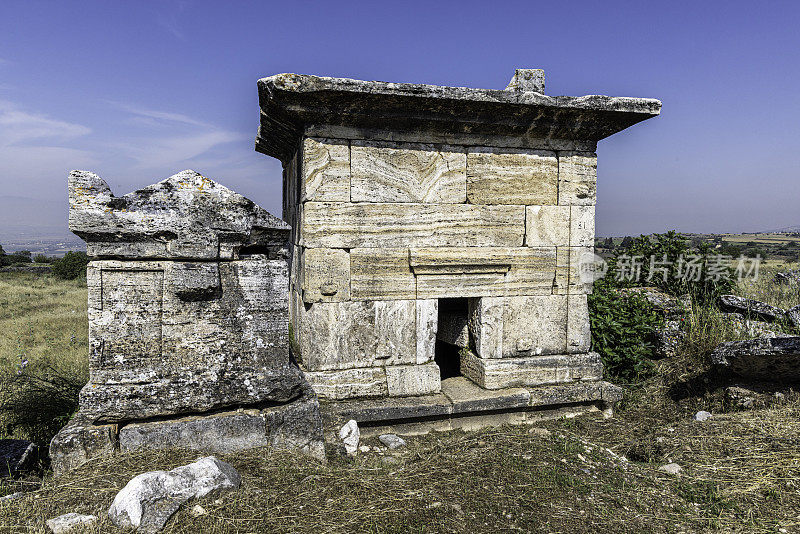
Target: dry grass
43	320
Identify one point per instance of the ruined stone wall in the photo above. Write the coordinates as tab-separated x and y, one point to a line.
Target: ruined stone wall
188	323
383	229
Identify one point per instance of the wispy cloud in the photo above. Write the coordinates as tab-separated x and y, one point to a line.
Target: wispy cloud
20	127
169	20
168	139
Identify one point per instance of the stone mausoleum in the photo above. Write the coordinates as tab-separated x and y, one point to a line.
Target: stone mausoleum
426	274
438	231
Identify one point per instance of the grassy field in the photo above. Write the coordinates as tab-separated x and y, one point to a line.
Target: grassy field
741	469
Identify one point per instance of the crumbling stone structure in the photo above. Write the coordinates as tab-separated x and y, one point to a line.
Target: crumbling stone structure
188	322
423	213
430	272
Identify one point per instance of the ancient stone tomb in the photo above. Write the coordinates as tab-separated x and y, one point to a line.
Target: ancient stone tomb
425	218
429	270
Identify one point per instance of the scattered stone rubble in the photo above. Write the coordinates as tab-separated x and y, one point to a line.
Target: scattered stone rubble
148	501
769	359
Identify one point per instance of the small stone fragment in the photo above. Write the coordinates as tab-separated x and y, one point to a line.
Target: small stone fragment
672	469
770	359
197	511
540	432
702	416
393	441
69	522
750	308
794	315
11	497
148	501
364	448
350	436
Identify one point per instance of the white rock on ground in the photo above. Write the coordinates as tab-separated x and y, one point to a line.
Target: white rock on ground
150	499
350	436
702	416
672	469
68	522
392	441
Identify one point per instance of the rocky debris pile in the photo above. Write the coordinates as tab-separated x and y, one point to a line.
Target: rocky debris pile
793	314
674	310
16	455
750	308
788	277
754	396
753	318
148	501
769	359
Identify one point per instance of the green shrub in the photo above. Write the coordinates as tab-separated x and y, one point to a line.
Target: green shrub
12	259
41	258
71	266
623	331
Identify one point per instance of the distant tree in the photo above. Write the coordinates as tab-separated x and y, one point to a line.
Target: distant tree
71	266
41	258
17	257
627	242
24	253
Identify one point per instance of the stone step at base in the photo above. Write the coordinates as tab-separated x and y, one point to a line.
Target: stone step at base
462	404
531	370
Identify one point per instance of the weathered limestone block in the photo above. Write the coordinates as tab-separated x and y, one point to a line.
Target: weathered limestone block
349	383
342	335
577	178
421	379
296	425
389	225
381	273
561	284
325	170
507	327
186	216
427	324
79	442
177	337
581	226
579	257
445	272
527	80
508	176
325	275
531	371
407	172
547	226
579	333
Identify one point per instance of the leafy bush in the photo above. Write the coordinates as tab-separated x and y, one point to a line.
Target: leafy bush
623	331
41	258
16	257
71	266
672	259
624	327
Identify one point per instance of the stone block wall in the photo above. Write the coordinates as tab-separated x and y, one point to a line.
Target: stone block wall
188	292
383	229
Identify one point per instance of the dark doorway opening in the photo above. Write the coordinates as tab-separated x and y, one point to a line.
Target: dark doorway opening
452	335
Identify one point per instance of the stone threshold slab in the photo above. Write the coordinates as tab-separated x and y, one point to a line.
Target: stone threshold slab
461	398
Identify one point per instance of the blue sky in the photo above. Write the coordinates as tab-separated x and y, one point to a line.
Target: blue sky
137	91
